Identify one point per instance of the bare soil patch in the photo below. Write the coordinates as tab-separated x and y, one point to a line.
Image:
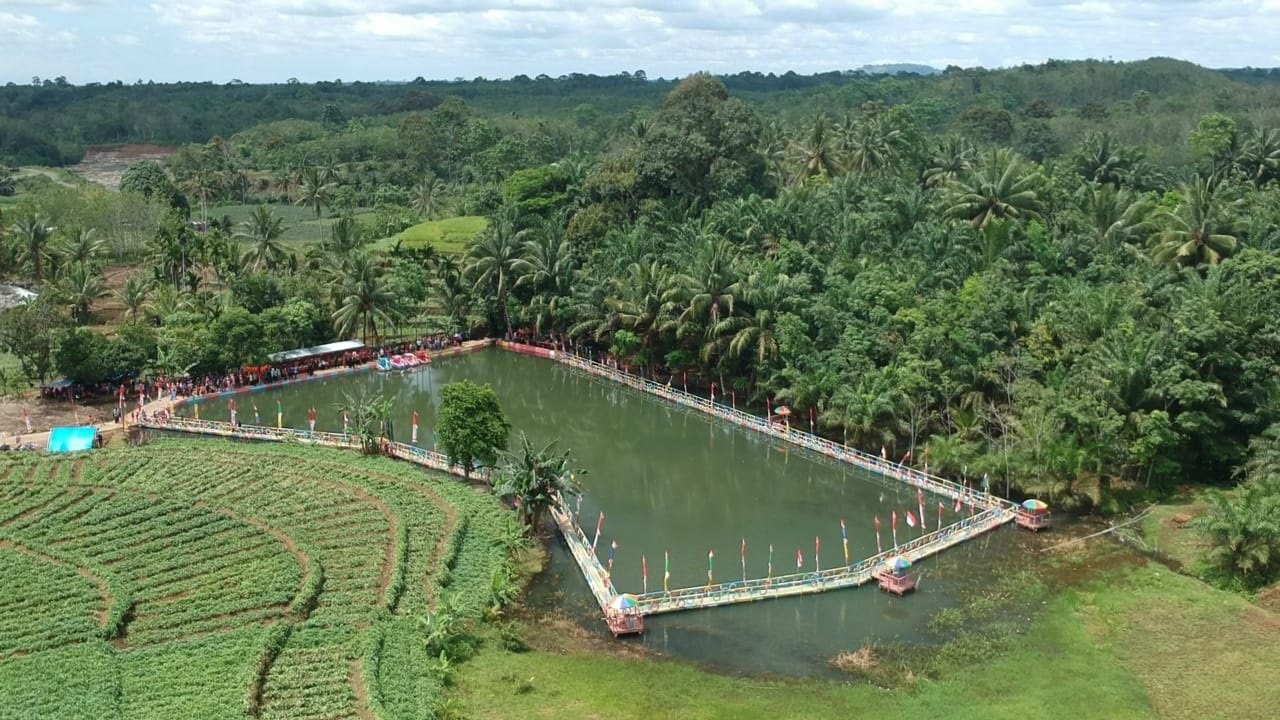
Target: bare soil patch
106	165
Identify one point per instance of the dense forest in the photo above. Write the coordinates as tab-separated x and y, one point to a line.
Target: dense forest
1061	276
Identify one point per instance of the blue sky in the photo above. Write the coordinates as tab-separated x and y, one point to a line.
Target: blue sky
273	40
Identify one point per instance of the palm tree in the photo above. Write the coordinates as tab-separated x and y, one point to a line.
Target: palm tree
134	295
1102	159
709	287
427	195
816	153
1244	531
204	185
491	263
865	412
1199	230
7	184
1000	187
314	190
262	231
364	299
79	246
547	266
166	301
951	160
1260	159
1117	215
33	232
1263	463
753	334
537	479
870	144
77	287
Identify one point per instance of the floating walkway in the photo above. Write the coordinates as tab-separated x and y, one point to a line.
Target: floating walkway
991	511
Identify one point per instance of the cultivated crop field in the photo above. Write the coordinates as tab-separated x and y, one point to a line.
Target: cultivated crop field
213	580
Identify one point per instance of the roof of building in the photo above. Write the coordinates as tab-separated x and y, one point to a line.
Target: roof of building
326	349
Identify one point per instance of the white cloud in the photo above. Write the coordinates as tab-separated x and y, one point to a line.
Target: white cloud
381	39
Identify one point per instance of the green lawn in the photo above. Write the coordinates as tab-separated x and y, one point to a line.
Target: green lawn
1135	642
453	235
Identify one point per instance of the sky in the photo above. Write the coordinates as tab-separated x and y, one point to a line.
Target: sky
274	40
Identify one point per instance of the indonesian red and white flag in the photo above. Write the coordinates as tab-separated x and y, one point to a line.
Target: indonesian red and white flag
799	559
911	519
413	436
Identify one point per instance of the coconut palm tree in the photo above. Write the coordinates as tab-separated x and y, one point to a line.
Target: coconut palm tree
753	334
1000	187
815	153
1117	216
79	246
78	286
365	300
491	264
548	267
537	479
867	411
1103	159
709	286
1263	463
1260	158
33	233
951	160
314	190
137	287
262	231
1198	231
870	144
427	196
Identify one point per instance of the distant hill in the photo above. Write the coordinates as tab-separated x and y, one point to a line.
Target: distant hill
899	69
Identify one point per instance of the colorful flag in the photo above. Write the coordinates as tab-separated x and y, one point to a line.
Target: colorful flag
413	433
920	505
878	550
911	519
844	540
26	418
195	407
817	548
940	509
666	571
613	549
711	560
959	504
644	575
895	529
256	420
770	575
926	458
744	559
733	398
231	404
799	559
346	422
713	392
279	415
311	419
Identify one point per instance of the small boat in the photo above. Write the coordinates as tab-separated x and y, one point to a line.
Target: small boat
384	364
410	360
397	362
424	356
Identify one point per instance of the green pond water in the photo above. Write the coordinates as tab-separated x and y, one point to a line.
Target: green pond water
670	480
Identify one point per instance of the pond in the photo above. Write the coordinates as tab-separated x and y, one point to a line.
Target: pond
673	481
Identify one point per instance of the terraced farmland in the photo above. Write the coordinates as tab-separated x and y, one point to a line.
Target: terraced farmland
211	579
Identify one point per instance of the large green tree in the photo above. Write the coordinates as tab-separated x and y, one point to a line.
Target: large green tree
471	428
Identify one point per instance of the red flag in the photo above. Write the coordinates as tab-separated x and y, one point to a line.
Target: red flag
911	519
799	559
895	519
959	504
884	453
877	523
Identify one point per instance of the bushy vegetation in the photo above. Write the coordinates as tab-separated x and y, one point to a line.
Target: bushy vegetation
233	579
1059	276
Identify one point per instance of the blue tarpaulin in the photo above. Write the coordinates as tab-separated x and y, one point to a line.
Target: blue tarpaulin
71	439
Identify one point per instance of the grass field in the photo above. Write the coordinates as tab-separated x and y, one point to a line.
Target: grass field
214	580
300	223
1132	640
452	236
